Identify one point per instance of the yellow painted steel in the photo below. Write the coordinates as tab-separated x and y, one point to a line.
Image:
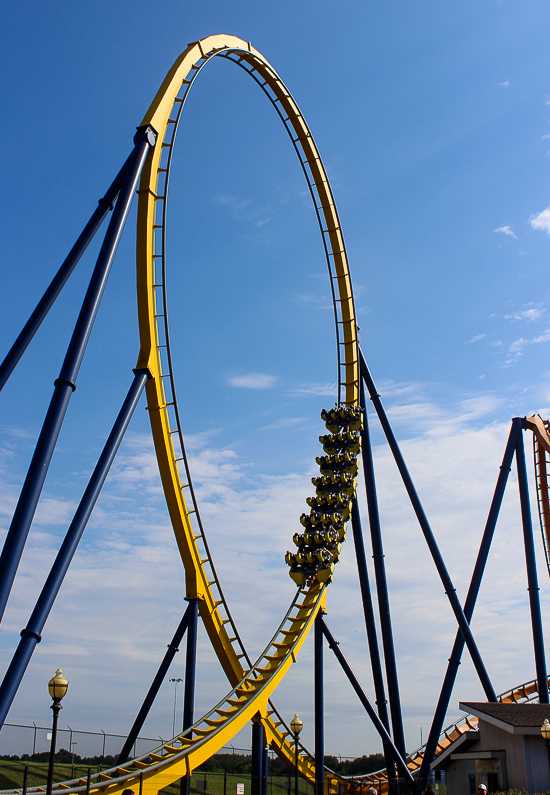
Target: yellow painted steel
163	115
252	688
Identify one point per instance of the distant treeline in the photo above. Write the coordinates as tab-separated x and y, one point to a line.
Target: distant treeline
64	757
219	763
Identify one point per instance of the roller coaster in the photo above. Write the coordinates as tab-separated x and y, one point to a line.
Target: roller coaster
347	451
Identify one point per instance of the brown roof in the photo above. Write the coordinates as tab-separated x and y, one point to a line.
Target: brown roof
513	714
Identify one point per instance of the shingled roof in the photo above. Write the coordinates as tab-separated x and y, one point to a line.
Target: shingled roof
509	716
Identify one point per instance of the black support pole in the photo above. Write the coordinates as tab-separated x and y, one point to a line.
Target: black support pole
257	755
378	725
60	279
381	583
173	647
66	383
32	634
429	536
532	580
319	700
372	638
189	685
473	591
190	665
265	768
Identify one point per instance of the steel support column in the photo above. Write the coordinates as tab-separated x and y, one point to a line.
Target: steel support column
428	535
378	725
265	768
257	755
372	637
190	671
532	580
60	279
173	647
319	705
381	582
473	591
32	634
66	383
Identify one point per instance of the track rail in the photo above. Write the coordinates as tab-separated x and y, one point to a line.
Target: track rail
178	757
541	454
164	115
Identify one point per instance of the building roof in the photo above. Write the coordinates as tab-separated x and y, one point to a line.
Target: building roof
513	718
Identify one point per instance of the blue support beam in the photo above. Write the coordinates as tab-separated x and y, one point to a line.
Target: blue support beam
532	580
189	684
32	634
66	383
381	584
173	648
265	769
378	725
473	591
428	535
370	624
61	277
257	755
319	702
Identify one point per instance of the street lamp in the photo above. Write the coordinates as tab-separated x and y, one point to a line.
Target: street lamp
175	696
545	731
296	727
57	687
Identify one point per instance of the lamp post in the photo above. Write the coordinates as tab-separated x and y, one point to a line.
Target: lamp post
545	731
175	681
296	727
57	687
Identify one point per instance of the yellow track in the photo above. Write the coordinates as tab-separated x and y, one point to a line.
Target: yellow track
253	685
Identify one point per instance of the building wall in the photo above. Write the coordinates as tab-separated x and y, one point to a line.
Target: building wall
524	764
538	770
457	776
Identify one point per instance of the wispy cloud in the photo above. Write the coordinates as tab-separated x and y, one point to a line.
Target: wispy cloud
328	389
477	338
516	348
312	301
505	84
531	314
506	230
285	422
253	381
124	594
541	221
244	209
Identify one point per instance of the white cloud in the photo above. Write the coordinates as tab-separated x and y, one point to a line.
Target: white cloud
477	338
309	300
531	314
541	221
253	381
506	230
285	422
516	348
124	594
505	84
328	390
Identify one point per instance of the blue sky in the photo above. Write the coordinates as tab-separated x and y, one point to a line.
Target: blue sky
433	124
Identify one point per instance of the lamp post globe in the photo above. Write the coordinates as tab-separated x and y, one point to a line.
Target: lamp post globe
296	727
545	731
57	688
